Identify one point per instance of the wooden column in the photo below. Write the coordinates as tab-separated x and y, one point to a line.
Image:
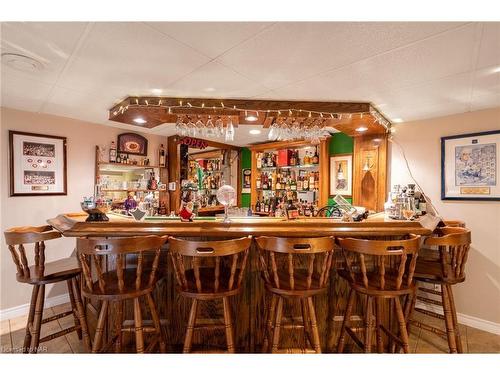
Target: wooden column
324	172
174	172
370	171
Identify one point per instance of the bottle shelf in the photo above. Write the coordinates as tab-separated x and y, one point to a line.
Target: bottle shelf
125	190
307	166
118	167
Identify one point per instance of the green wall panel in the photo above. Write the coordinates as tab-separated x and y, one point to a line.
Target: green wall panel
341	143
246	162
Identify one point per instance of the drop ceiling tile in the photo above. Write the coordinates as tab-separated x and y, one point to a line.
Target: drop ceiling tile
51	43
210	38
434	58
216	80
485	101
289	51
489	52
23	93
486	81
131	56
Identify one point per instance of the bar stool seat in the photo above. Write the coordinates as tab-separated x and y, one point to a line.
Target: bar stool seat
208	271
294	269
389	288
446	268
52	272
129	277
39	275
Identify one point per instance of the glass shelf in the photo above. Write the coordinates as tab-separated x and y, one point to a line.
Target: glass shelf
311	166
118	167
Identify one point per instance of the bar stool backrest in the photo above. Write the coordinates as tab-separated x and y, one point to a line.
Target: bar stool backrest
453	244
283	259
132	270
226	258
381	265
17	237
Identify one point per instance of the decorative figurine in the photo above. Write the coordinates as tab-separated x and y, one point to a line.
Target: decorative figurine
186	212
130	203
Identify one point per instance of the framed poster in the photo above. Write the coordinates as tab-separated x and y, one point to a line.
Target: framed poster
133	144
37	164
470	167
341	174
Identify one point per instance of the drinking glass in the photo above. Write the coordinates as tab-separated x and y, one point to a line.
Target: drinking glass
408	208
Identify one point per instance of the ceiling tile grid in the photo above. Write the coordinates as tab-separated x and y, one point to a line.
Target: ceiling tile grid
409	70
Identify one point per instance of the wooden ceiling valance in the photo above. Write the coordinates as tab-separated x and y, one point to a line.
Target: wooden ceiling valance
343	116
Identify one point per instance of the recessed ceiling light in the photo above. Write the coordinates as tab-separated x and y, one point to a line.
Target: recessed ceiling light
251	117
156	91
139	120
362	129
21	62
397	120
255	131
496	70
210	89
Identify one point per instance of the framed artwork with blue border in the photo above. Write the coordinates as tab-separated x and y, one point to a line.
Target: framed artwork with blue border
470	166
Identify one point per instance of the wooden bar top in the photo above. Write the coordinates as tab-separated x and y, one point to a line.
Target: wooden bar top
74	225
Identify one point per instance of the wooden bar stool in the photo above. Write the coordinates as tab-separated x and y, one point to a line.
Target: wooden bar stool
130	278
379	270
445	268
209	270
41	274
296	269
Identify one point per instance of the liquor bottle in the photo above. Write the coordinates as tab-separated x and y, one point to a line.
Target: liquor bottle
311	181
307	210
161	156
306	158
257	206
278	181
152	183
112	152
258	183
269	162
293	159
305	184
259	161
423	205
316	181
266	206
316	157
118	158
300	184
291	210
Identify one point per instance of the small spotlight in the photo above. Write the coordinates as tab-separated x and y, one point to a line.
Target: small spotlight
362	129
397	120
255	131
139	120
250	117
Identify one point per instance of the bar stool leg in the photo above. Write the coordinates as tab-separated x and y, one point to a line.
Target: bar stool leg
314	325
81	314
368	325
156	322
269	323
450	331
345	321
118	326
277	325
73	308
454	317
96	346
378	322
29	323
228	324
305	319
402	325
139	338
37	321
190	327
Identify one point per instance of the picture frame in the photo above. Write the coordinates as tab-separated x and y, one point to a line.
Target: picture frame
246	180
132	144
37	164
470	166
341	166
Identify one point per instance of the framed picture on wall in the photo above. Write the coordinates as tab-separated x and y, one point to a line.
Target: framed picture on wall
37	164
131	143
341	174
470	166
247	178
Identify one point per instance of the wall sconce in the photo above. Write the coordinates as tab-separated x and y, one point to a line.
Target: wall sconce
367	165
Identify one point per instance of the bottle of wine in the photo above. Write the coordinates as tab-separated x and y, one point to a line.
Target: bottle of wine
291	210
257	206
258	183
118	158
162	156
259	160
315	157
112	152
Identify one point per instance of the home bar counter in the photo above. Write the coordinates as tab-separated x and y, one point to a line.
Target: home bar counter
248	307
